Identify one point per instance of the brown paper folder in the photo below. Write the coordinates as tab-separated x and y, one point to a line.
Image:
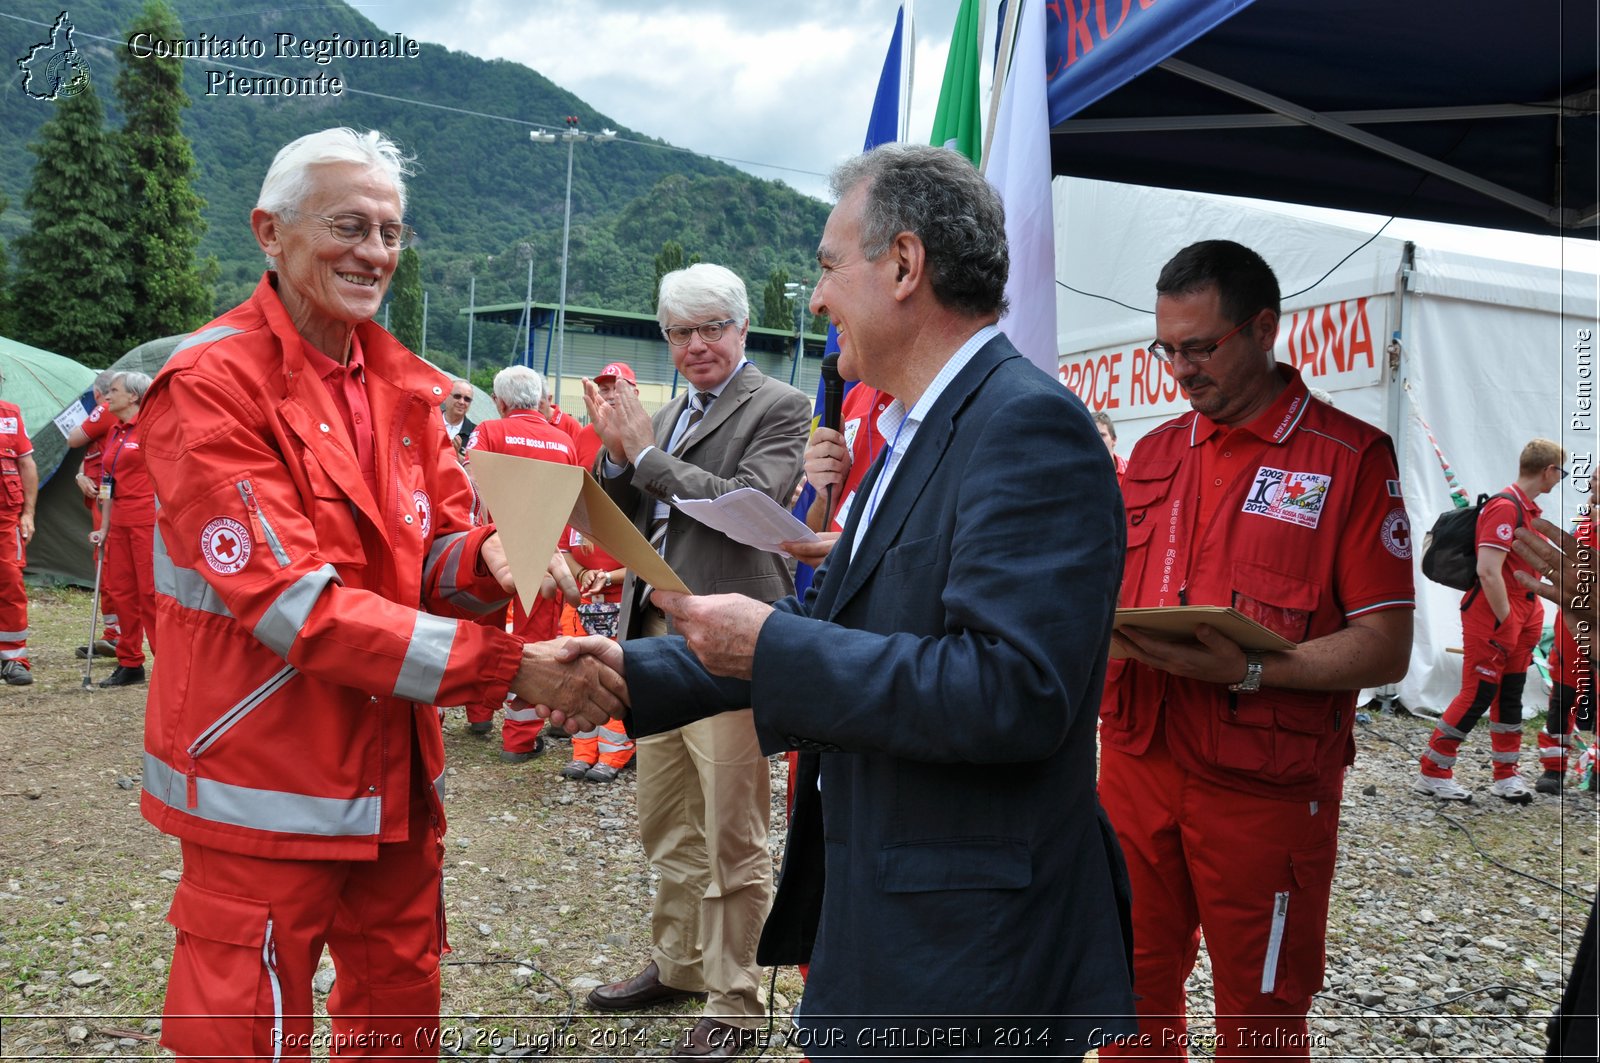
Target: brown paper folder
532	500
1177	623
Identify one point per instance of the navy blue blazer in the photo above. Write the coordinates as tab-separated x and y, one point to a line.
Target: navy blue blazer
945	683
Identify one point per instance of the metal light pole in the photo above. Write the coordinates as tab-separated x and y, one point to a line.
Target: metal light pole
800	291
572	134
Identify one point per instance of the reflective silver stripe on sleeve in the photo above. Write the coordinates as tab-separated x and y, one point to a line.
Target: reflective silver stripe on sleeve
184	585
471	603
215	332
423	669
447	549
280	625
240	709
267	810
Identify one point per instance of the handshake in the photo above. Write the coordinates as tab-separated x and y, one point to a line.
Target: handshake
575	683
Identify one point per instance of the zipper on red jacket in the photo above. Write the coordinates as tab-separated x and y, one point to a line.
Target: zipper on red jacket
191	785
261	531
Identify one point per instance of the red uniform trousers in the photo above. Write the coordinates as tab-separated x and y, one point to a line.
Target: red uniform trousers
1494	670
108	604
130	576
1571	699
1254	871
251	933
13	594
603	745
519	732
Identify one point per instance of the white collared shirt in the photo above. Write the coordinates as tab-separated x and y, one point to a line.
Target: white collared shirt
899	425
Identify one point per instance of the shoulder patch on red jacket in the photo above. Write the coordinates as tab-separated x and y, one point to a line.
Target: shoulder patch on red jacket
225	544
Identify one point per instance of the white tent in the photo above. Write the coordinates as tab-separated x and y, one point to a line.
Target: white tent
1489	353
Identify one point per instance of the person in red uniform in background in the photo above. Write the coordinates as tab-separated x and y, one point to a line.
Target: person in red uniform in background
600	754
608	380
127	528
1108	435
91	434
557	417
1500	625
1222	769
318	570
522	431
1571	678
19	493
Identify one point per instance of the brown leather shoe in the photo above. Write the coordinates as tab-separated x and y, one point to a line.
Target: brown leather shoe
643	990
711	1039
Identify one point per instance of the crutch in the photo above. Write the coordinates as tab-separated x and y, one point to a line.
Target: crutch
94	610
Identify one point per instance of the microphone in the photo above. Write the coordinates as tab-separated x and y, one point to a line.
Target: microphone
832	391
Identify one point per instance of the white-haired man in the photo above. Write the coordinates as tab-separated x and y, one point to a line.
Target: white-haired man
521	431
703	789
318	565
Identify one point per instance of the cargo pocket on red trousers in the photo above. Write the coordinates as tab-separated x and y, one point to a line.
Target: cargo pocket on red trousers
1293	967
224	999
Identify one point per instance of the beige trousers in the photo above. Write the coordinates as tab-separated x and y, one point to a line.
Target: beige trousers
704	805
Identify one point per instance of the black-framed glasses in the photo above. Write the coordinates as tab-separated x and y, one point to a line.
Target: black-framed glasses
1195	354
710	331
1561	474
355	228
462	398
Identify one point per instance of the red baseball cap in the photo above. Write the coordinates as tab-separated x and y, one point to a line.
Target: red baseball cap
615	370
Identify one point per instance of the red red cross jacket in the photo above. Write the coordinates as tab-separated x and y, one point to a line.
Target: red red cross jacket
307	628
1310	535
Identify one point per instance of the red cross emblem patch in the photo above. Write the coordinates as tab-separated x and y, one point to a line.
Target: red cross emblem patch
225	544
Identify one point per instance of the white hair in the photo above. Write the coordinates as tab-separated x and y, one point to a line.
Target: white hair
133	382
702	291
288	179
519	387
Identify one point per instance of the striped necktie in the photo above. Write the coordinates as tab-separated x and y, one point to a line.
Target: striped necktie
699	402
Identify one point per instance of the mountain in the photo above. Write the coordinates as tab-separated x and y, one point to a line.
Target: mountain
484	199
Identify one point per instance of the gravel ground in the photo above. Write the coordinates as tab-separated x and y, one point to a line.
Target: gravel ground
1434	951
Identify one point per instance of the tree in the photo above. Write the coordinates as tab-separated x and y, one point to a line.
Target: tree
776	309
6	326
670	258
171	289
71	294
405	312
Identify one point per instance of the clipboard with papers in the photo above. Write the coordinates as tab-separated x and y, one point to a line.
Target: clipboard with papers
1177	623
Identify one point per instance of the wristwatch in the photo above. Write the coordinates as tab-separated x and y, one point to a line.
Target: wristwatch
1252	674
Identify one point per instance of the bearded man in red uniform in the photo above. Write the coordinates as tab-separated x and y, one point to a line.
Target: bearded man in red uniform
317	573
1500	625
1222	770
520	431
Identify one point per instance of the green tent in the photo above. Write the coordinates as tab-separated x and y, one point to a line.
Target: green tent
44	384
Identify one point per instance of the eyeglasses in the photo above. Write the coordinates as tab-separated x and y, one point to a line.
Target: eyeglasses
1561	474
710	331
354	229
1194	355
462	398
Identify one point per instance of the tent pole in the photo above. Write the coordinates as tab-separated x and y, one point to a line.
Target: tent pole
1002	67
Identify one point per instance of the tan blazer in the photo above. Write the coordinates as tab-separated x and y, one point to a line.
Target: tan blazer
754	435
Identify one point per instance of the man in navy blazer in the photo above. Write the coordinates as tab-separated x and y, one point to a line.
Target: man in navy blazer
948	874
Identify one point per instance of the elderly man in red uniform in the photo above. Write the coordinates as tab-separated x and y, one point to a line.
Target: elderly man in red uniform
1222	769
126	528
91	434
521	431
317	570
19	492
1500	625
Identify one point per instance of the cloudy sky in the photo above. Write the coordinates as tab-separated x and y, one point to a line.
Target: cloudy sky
779	89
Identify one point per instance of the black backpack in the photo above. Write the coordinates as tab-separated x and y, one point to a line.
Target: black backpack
1450	549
